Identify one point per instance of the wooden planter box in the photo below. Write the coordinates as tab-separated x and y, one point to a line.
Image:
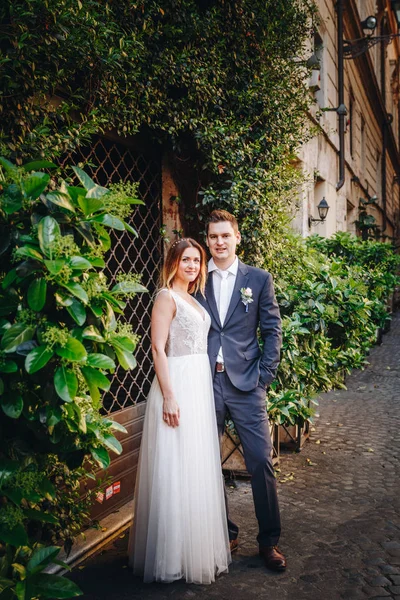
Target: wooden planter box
293	437
232	452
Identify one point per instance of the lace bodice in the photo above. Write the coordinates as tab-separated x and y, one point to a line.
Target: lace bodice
189	328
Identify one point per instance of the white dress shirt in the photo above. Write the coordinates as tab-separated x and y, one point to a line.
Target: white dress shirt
223	284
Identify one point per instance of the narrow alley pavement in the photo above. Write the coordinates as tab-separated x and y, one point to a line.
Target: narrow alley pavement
340	503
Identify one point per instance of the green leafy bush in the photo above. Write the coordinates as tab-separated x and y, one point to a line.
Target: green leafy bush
333	295
59	341
377	263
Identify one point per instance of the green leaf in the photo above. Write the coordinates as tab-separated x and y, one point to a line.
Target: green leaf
64	300
37	359
37	294
47	489
104	237
11	199
77	291
97	192
1	387
96	309
123	342
66	384
95	377
9	279
75	192
81	420
21	591
112	443
4	325
109	320
90	205
15	537
92	333
101	456
62	200
115	426
130	228
35	184
12	404
48	232
117	304
94	392
100	361
8	366
284	410
28	252
85	230
84	178
41	557
77	311
109	221
16	335
27	238
125	359
32	496
55	266
128	287
38	164
45	585
14	494
97	262
20	569
73	350
8	166
78	262
39	515
7	469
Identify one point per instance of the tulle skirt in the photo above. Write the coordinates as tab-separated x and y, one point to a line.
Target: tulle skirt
180	527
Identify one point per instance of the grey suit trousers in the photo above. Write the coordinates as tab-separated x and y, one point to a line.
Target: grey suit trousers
247	410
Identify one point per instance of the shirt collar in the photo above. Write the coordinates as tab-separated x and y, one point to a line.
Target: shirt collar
233	269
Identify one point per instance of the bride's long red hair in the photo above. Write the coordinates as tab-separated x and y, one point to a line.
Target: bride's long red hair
171	265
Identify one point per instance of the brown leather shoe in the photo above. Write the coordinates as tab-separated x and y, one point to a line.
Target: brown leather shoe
273	558
233	545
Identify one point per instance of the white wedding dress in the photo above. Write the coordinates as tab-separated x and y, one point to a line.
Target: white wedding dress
180	527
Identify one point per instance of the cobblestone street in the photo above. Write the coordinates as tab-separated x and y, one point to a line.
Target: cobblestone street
340	503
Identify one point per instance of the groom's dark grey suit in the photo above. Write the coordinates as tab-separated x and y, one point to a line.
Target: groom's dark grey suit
241	387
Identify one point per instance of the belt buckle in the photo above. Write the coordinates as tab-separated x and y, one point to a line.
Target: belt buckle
220	367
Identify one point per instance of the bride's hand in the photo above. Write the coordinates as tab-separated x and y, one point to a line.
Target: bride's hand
171	412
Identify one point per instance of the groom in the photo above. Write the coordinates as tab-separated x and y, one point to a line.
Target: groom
240	299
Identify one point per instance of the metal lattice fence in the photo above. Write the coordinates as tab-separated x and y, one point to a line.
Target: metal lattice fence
107	161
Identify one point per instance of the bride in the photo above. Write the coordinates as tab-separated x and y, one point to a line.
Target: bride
179	528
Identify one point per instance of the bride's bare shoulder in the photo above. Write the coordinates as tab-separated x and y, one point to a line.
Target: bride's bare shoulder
164	301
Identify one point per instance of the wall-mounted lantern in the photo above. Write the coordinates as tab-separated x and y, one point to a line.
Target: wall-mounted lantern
323	208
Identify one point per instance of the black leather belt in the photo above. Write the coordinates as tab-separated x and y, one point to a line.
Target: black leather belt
219	367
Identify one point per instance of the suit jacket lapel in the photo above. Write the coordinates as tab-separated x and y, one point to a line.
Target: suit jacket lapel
241	281
210	297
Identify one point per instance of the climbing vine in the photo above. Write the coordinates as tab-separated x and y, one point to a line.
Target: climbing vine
220	84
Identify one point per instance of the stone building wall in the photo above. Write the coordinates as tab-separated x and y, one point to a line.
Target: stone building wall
369	105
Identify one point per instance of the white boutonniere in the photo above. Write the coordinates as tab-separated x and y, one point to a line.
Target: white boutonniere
247	297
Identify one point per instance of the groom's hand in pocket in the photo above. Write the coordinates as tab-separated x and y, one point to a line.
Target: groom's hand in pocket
171	414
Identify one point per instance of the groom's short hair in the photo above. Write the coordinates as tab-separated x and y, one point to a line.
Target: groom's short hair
219	216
